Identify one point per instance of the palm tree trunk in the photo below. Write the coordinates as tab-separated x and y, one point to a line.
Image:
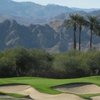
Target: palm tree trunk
80	29
74	37
91	35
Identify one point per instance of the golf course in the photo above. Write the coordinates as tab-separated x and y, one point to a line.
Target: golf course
31	74
51	89
49	49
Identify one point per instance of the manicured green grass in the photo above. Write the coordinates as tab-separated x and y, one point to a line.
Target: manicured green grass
15	96
44	84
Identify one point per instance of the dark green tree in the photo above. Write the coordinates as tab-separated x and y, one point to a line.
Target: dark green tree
81	22
92	23
72	22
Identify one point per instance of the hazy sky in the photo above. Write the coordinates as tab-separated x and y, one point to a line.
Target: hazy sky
70	3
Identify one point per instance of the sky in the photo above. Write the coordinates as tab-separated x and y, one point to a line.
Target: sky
69	3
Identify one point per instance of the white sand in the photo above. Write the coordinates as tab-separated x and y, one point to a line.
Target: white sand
80	89
33	93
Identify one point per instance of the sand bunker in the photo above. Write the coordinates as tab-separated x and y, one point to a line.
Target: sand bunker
35	95
79	88
96	98
3	97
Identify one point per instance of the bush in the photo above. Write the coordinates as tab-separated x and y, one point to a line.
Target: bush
42	62
24	62
93	62
7	68
33	62
70	65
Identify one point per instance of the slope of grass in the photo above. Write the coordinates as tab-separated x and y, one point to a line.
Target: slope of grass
12	95
44	84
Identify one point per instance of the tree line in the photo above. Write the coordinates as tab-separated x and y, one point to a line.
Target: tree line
78	22
38	63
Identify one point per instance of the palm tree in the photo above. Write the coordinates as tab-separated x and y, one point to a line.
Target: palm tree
81	22
72	22
97	30
92	23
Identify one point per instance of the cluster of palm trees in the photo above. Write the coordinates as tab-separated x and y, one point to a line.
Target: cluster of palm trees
78	22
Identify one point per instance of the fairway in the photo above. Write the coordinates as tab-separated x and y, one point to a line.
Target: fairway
45	85
49	50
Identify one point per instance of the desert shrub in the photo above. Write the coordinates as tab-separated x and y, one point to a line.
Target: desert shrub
25	62
34	62
7	68
42	62
93	62
71	65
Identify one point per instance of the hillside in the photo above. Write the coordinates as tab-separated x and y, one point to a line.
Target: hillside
31	25
33	36
31	13
44	37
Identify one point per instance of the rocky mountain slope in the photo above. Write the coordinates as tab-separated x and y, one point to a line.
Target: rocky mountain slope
44	37
31	25
34	36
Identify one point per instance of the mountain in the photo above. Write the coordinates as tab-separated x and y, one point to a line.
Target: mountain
57	21
96	13
13	34
31	25
30	12
44	37
86	10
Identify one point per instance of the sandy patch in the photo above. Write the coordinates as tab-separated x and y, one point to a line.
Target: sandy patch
79	88
12	98
33	93
96	98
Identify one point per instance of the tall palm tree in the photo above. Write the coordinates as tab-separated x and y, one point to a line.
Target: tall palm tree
81	22
72	22
92	23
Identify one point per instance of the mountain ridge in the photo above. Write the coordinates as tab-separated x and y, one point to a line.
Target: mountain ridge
40	36
34	26
32	13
